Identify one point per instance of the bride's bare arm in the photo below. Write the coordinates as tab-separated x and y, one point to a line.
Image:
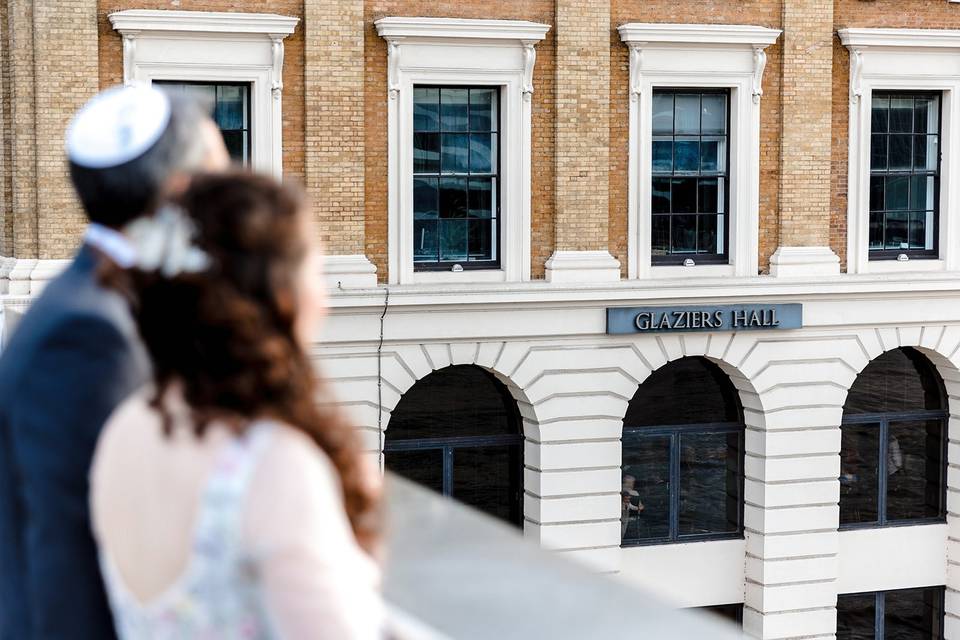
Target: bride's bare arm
317	581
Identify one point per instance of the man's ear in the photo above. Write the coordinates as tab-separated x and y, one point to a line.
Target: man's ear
177	182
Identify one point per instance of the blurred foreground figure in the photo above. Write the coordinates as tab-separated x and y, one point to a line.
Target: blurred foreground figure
225	501
76	356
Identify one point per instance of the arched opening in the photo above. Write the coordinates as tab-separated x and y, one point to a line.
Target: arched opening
683	456
458	431
893	446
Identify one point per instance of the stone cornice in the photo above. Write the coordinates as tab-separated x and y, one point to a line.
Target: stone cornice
392	28
138	20
917	38
698	34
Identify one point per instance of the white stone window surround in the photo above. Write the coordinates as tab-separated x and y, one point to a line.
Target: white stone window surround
697	56
451	51
214	47
901	59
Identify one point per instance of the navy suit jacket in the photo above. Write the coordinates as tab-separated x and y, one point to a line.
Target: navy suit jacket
73	358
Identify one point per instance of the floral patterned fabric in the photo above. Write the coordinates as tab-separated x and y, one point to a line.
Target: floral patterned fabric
218	595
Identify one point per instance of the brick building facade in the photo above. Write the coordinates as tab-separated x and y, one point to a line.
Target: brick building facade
380	106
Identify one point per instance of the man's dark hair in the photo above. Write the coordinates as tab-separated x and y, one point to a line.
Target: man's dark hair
113	196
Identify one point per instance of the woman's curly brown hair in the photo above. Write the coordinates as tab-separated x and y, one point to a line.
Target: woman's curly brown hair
228	333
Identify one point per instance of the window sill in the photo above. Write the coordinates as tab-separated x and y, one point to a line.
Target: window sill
698	271
907	266
467	276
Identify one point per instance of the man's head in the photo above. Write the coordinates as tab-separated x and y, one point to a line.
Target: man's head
129	147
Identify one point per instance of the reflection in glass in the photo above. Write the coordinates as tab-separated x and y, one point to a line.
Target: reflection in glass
893	467
904	174
228	105
645	492
709	483
859	468
682	461
456	144
915	468
457	430
689	155
904	614
856	616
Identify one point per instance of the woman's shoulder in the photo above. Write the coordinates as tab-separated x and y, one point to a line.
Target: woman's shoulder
291	458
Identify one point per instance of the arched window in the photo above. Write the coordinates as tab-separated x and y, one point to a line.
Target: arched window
683	457
458	432
893	445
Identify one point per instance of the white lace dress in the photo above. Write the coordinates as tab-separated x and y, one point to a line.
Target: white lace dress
267	557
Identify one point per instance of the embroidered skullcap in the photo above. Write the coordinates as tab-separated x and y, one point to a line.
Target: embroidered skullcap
117	125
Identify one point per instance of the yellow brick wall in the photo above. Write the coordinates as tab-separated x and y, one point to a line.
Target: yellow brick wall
805	132
583	124
333	127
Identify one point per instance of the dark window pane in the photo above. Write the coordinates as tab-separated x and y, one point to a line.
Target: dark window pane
897	193
480	233
878	120
913	614
661	195
915	467
707	234
926	114
426	152
712	155
453	109
856	616
423	467
918	230
454	154
897	381
901	153
683	234
921	192
709	196
876	193
687	114
235	143
645	494
709	483
426	109
483	109
859	485
924	153
481	197
661	235
714	117
878	152
708	396
896	230
901	114
876	230
684	195
453	240
686	155
662	155
488	478
483	152
232	106
662	113
424	240
462	400
425	198
453	197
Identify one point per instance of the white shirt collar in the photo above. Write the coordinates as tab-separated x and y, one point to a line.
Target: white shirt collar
113	243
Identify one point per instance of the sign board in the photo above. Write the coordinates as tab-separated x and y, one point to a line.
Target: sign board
731	317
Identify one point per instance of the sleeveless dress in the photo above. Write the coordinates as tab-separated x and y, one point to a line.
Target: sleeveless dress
217	595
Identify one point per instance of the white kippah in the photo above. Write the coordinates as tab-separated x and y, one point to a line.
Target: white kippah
117	125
